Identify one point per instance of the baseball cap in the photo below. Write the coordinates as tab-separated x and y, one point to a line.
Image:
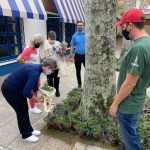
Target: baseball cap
132	15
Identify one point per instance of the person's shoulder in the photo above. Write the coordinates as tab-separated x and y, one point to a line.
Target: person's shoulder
57	43
75	34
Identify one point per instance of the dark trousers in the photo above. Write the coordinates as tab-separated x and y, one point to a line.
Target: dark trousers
79	59
53	79
19	103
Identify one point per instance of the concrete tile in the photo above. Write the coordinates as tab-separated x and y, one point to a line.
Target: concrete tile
35	117
19	144
9	132
1	148
79	146
54	144
39	124
7	114
94	148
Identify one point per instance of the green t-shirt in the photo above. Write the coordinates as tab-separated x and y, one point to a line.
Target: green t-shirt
136	61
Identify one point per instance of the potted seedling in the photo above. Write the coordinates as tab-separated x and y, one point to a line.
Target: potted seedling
81	128
48	93
64	46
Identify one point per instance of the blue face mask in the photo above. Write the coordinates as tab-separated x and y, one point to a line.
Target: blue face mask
80	29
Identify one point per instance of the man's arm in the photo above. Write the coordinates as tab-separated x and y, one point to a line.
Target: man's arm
125	90
71	51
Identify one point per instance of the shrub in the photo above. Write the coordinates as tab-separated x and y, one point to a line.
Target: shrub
144	128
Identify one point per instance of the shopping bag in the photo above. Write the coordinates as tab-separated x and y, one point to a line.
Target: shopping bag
62	70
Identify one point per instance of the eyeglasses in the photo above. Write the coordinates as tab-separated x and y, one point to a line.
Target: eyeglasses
79	25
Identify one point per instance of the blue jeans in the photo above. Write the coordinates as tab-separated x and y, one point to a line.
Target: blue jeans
129	130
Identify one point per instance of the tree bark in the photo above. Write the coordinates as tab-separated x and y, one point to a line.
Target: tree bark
127	43
100	43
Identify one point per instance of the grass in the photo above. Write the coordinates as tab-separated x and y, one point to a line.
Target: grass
71	138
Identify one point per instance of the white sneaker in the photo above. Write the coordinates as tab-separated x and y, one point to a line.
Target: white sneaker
36	132
32	139
35	110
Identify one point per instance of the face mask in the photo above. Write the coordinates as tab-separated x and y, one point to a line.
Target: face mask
37	45
80	29
48	72
126	33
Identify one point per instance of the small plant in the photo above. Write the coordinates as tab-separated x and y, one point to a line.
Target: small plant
46	87
81	128
144	128
64	44
65	124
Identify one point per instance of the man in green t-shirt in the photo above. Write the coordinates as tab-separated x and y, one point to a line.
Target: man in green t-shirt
133	79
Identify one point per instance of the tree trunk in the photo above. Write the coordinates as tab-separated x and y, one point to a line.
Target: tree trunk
100	43
127	43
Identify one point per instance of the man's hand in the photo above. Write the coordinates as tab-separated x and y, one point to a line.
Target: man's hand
113	110
71	58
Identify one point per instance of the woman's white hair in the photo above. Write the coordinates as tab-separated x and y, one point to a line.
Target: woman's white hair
37	38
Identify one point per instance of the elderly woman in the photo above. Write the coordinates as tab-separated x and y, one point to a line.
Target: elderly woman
31	54
18	86
53	50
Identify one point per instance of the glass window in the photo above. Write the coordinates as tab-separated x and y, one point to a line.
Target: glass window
2	27
3	52
13	27
3	40
10	38
13	39
14	50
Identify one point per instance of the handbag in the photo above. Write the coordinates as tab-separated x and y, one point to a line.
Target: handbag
62	70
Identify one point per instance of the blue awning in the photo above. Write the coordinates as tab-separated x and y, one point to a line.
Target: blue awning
70	11
23	8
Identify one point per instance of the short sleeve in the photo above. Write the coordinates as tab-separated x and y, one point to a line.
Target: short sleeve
136	61
73	43
26	53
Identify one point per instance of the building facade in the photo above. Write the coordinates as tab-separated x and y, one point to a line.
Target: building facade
20	20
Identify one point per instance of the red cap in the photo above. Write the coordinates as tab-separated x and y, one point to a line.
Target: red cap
132	15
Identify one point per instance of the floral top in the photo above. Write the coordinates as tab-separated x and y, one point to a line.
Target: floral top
52	51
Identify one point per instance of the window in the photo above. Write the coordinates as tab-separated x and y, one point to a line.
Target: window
70	30
10	38
53	23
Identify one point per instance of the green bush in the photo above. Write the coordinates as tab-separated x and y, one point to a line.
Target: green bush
144	128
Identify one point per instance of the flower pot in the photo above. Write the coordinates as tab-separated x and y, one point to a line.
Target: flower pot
64	49
50	126
114	142
96	137
81	134
73	126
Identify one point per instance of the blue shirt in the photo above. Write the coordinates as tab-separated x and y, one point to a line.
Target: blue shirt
78	40
25	79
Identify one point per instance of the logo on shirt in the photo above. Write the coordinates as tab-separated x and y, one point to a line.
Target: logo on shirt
135	63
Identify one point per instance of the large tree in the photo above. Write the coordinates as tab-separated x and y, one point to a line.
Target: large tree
100	44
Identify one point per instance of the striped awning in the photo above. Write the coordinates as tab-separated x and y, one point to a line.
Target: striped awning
70	11
23	8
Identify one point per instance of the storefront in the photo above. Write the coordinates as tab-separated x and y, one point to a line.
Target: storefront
63	16
15	17
21	19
